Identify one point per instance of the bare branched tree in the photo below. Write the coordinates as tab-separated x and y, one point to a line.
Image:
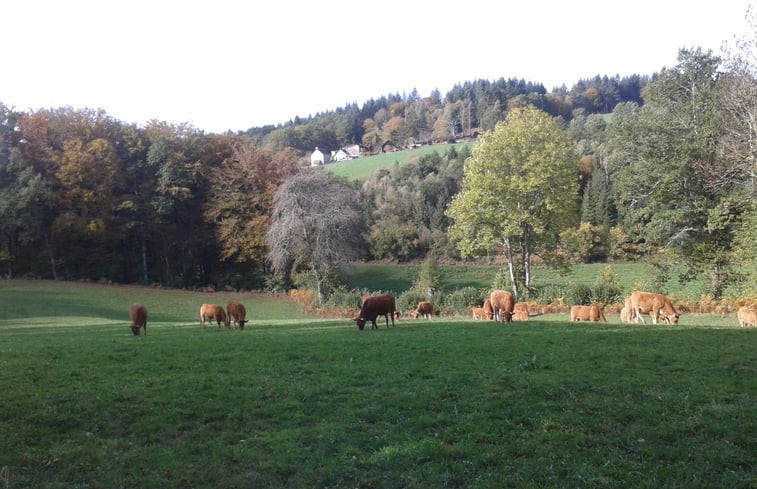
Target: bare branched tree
315	223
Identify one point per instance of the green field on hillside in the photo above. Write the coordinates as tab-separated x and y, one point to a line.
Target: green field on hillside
364	166
301	402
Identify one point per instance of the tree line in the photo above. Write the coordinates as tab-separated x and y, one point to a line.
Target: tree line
83	195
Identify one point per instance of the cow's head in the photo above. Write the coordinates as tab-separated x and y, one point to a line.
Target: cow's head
135	329
241	323
360	322
671	318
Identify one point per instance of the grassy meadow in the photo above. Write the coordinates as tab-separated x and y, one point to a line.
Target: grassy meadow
399	277
303	402
364	166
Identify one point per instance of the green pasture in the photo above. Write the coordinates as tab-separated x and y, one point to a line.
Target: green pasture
399	277
364	166
304	402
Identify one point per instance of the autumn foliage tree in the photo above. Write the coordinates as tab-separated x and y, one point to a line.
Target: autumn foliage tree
240	199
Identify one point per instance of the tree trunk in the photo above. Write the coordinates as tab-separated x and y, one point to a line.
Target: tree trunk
51	256
144	260
318	284
511	267
525	253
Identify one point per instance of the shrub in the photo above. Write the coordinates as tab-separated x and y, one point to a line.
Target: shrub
578	294
552	294
408	300
344	299
458	301
607	288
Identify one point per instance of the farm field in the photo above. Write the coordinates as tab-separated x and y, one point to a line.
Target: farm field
299	401
364	166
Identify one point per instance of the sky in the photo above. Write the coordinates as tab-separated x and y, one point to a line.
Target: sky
225	65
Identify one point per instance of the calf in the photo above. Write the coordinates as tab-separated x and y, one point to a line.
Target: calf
587	313
478	313
380	305
236	312
747	316
488	309
138	316
425	309
502	303
520	313
211	312
656	305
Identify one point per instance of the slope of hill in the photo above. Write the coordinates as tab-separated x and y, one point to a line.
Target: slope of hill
362	167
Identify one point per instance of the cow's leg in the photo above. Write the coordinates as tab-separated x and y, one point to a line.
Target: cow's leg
637	312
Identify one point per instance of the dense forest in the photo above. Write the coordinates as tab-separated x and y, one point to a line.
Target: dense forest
665	163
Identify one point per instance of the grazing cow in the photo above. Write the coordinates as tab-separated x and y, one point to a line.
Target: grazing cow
520	313
138	316
478	313
656	305
236	313
488	309
587	313
625	312
425	309
373	307
502	304
211	312
747	316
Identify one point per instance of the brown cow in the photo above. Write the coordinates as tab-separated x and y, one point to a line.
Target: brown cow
587	313
747	316
488	309
502	304
625	312
656	305
478	313
425	309
138	316
236	313
211	312
520	313
380	305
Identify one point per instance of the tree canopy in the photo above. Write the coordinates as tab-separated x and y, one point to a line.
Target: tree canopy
519	189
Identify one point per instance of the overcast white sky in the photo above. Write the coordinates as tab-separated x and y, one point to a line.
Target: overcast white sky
231	65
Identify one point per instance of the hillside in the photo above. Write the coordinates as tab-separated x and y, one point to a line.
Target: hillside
364	166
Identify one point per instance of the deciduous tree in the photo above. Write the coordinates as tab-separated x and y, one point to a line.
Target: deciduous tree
519	189
316	224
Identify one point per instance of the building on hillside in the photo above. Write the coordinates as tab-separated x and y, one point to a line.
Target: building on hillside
388	147
347	153
319	157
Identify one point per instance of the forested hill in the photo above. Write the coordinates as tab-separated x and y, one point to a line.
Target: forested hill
468	108
86	196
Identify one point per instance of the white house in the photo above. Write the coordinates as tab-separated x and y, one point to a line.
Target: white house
319	157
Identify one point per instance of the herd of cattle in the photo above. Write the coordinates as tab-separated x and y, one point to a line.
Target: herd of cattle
500	306
234	312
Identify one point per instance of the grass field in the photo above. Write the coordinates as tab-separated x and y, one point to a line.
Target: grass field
362	167
301	402
399	277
